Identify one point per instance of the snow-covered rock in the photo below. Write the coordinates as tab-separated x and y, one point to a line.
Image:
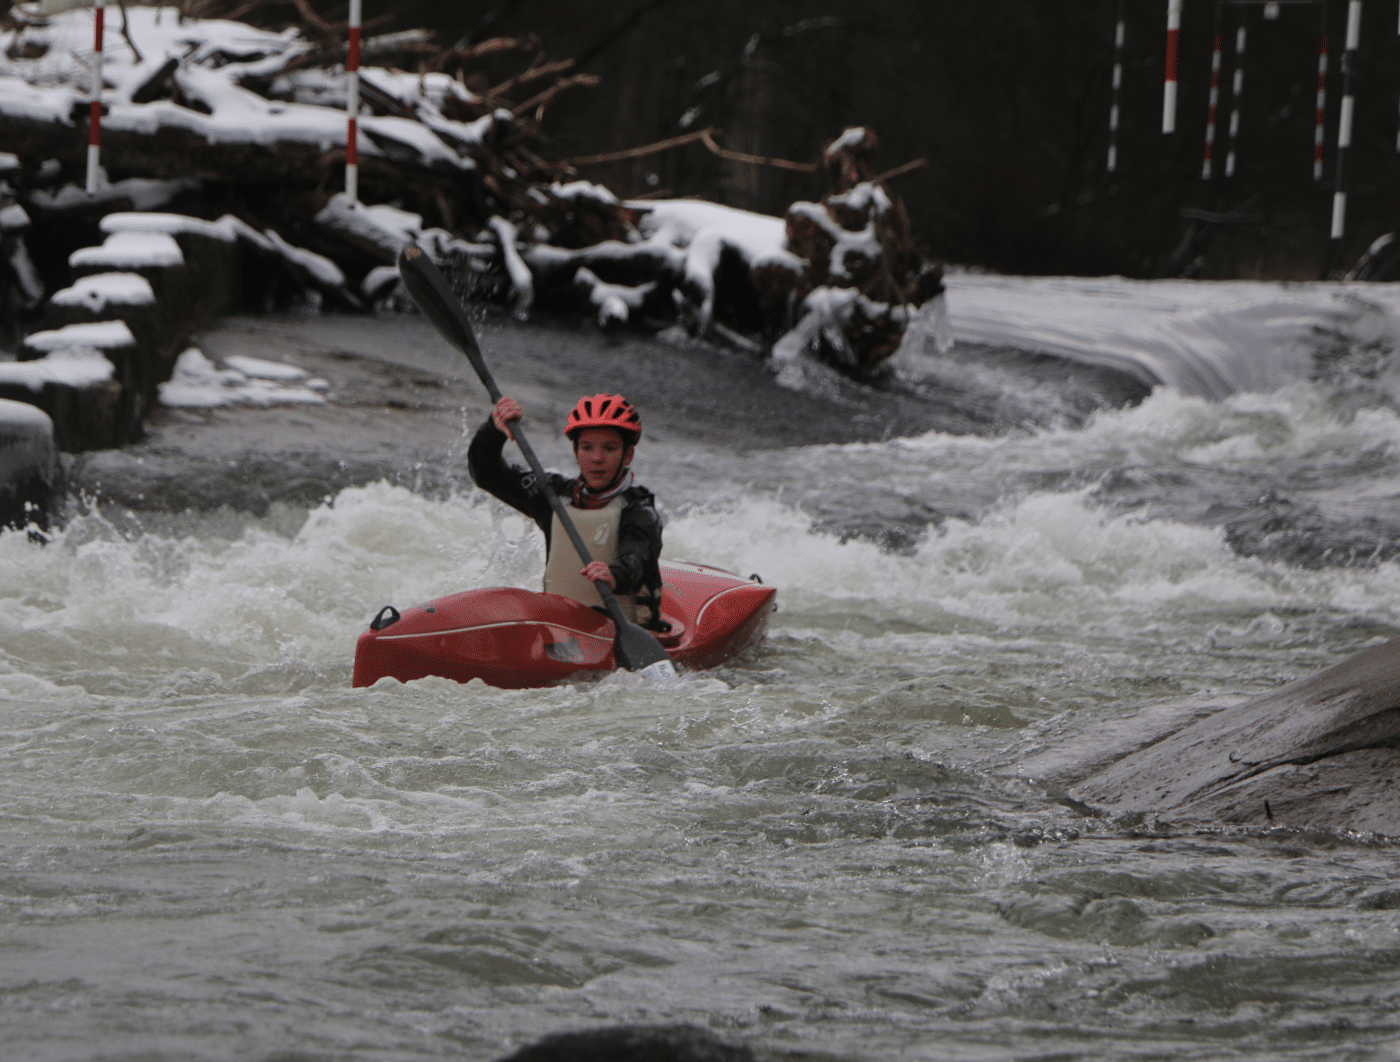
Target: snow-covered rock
28	464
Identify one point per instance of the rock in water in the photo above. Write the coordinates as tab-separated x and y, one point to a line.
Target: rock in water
633	1043
28	464
1322	752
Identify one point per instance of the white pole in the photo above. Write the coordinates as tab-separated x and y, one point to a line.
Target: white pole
352	107
1169	88
94	151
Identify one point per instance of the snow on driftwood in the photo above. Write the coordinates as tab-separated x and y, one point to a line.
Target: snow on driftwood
189	99
190	86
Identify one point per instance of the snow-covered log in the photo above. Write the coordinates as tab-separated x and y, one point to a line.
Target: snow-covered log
356	225
615	302
316	272
521	280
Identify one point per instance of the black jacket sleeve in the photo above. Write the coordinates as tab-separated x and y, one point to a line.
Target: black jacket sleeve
514	486
639	544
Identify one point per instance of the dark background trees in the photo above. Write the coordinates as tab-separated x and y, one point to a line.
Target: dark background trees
1007	99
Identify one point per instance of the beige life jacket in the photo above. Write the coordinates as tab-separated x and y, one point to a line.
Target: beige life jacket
599	530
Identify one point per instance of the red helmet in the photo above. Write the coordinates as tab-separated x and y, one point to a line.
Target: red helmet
605	411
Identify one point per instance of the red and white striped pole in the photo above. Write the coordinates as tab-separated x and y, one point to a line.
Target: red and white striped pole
94	151
1118	37
1339	197
1214	102
1169	88
352	107
1319	125
1237	89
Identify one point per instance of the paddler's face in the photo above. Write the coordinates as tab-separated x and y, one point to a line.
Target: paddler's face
600	453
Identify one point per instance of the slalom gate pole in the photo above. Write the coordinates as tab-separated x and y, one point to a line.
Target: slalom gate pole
1397	133
352	107
94	151
1117	92
1320	124
1214	99
1339	197
1169	86
1236	90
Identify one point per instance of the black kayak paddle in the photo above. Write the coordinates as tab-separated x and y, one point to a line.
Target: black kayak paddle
634	648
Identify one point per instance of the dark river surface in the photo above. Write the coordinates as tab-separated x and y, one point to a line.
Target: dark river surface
211	847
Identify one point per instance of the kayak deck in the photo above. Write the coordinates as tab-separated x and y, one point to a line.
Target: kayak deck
517	639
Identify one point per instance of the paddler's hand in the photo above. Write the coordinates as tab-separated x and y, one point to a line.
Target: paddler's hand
507	410
598	570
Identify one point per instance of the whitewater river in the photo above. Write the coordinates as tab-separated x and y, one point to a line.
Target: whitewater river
212	848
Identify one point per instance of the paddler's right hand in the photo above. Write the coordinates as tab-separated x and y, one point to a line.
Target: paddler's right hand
507	410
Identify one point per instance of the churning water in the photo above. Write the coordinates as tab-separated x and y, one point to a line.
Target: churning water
212	848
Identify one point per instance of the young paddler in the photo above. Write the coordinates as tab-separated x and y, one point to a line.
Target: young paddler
615	516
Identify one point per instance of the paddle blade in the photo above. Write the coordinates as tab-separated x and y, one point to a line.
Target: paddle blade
429	289
638	650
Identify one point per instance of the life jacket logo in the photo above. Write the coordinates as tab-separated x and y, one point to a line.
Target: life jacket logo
601	535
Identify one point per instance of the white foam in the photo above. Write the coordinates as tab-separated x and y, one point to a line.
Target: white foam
1208	338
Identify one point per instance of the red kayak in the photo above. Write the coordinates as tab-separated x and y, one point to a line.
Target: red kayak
517	639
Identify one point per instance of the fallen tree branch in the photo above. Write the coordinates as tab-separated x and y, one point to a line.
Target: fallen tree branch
126	32
308	14
534	73
636	152
493	46
757	160
900	171
539	101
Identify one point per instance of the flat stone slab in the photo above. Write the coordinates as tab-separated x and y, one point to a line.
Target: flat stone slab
1321	752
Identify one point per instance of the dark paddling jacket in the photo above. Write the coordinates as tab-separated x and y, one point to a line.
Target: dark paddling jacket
638	547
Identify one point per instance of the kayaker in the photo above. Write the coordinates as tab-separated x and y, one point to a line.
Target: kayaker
615	516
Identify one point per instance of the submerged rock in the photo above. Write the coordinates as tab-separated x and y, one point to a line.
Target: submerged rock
633	1043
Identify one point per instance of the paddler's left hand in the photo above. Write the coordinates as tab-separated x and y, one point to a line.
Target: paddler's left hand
598	570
